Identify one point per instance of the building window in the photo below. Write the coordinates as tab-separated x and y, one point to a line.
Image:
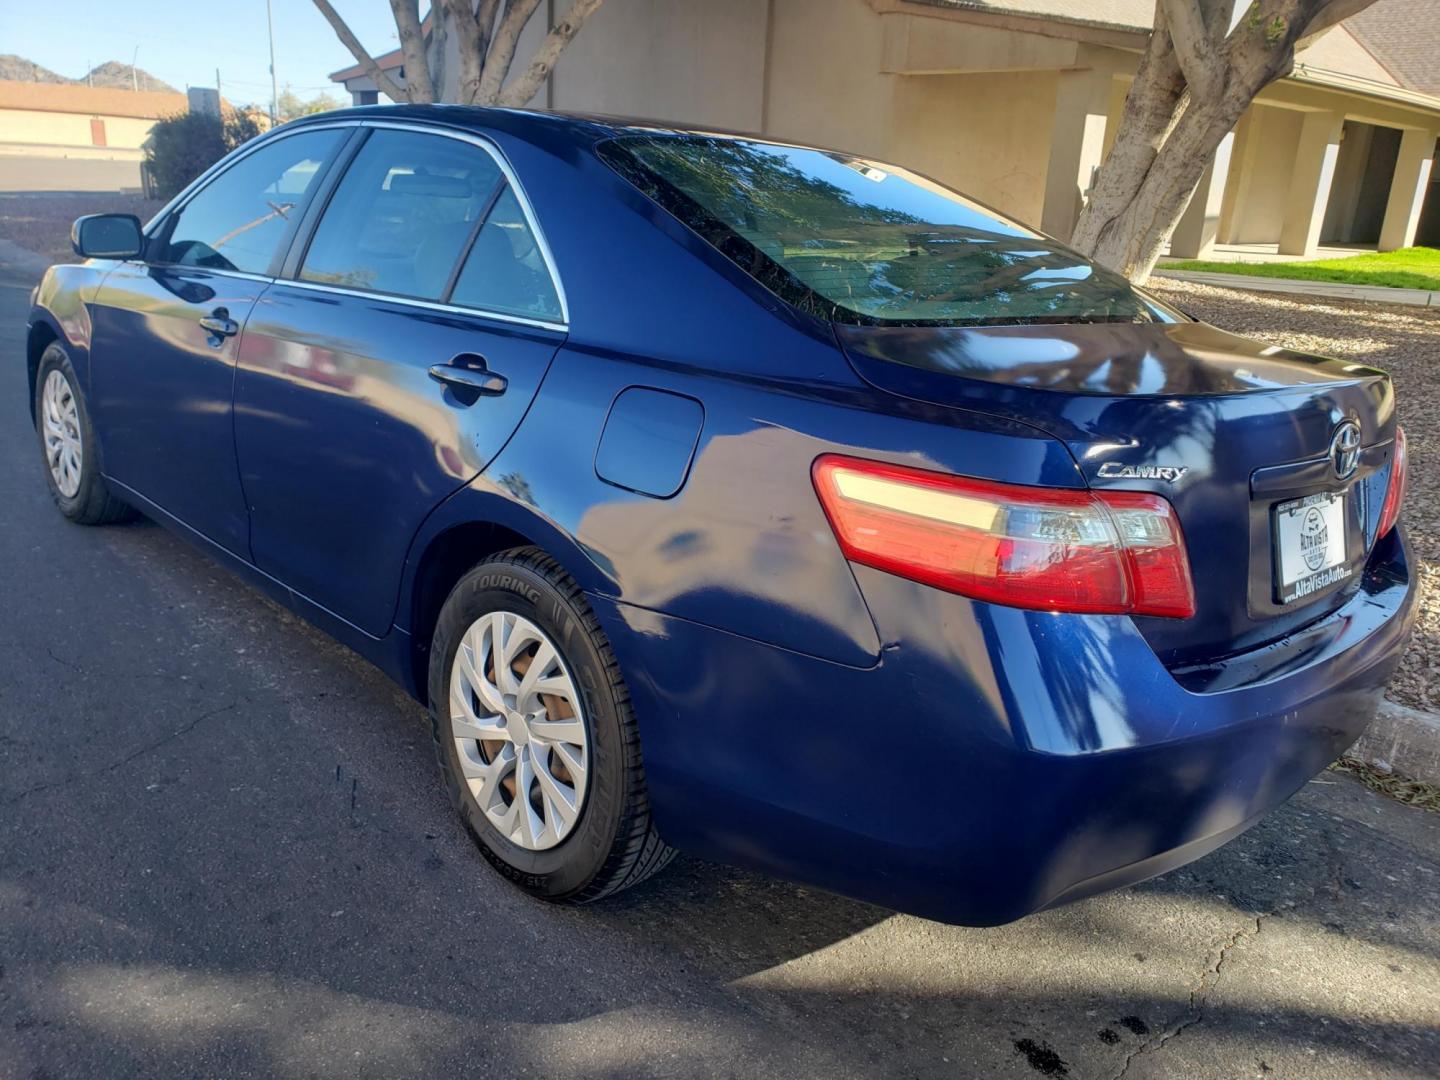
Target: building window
367	97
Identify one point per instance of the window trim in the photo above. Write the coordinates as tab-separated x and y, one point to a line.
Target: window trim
287	269
301	243
162	224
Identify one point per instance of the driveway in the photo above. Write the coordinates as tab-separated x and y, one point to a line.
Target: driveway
224	850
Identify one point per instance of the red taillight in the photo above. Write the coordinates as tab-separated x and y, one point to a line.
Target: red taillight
1054	549
1399	481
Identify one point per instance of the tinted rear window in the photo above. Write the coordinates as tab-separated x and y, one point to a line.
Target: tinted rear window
857	241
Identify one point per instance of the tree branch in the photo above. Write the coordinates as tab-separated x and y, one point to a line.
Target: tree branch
1327	16
387	85
1195	48
528	84
418	85
485	12
502	48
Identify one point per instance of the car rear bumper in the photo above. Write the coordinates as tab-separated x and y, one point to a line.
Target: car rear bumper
995	761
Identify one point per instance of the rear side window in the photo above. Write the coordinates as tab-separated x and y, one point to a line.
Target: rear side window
238	220
856	241
432	218
505	270
403	214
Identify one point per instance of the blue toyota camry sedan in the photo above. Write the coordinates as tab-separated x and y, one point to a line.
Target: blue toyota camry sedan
743	498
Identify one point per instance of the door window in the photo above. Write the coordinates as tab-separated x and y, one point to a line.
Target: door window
238	220
403	214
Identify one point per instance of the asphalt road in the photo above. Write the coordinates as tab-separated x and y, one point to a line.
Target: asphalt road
224	851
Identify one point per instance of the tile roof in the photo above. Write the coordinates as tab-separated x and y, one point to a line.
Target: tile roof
94	100
1392	41
1404	35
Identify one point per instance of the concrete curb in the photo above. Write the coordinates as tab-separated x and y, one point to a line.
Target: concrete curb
1402	740
1330	290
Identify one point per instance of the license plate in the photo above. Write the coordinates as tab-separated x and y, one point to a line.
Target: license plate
1310	545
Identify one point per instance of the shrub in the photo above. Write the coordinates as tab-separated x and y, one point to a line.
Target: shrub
181	147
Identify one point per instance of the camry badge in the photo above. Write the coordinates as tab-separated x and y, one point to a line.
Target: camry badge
1114	470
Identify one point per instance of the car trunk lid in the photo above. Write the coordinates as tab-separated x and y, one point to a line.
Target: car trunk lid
1236	434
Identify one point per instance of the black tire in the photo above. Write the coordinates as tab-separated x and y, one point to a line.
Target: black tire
613	843
92	503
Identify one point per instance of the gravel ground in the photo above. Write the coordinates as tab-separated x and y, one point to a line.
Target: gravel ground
1405	341
41	222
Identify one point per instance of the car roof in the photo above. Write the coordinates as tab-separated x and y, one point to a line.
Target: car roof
530	124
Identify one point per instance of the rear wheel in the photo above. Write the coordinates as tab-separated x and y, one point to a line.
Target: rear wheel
67	441
534	731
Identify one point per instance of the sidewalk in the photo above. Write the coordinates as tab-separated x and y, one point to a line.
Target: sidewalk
1332	290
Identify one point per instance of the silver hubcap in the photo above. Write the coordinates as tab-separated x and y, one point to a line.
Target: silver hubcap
60	422
518	728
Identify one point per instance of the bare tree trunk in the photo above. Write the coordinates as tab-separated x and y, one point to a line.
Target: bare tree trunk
1151	109
472	27
1136	236
1195	81
435	49
418	87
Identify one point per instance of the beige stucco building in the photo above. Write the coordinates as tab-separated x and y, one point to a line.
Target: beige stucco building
1016	102
64	136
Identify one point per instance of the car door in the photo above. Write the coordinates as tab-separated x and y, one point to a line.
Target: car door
390	362
166	334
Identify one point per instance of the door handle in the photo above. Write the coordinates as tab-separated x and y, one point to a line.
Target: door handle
219	323
468	374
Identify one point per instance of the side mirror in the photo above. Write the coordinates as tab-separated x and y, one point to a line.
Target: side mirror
107	236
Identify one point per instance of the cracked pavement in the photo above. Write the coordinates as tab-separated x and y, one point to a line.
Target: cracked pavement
224	850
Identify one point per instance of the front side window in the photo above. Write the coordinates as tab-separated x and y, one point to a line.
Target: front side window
238	220
856	241
405	211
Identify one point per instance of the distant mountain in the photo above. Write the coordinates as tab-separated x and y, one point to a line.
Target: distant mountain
111	73
114	73
17	69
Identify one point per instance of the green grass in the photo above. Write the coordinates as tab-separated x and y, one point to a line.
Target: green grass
1409	268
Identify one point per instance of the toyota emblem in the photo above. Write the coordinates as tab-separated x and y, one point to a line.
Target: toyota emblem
1345	449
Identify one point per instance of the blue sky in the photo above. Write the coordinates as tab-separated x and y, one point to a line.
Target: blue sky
184	41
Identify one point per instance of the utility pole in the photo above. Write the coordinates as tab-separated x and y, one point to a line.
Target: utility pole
274	90
135	79
217	90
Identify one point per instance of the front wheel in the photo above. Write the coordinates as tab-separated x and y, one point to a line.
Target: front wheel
67	442
535	733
